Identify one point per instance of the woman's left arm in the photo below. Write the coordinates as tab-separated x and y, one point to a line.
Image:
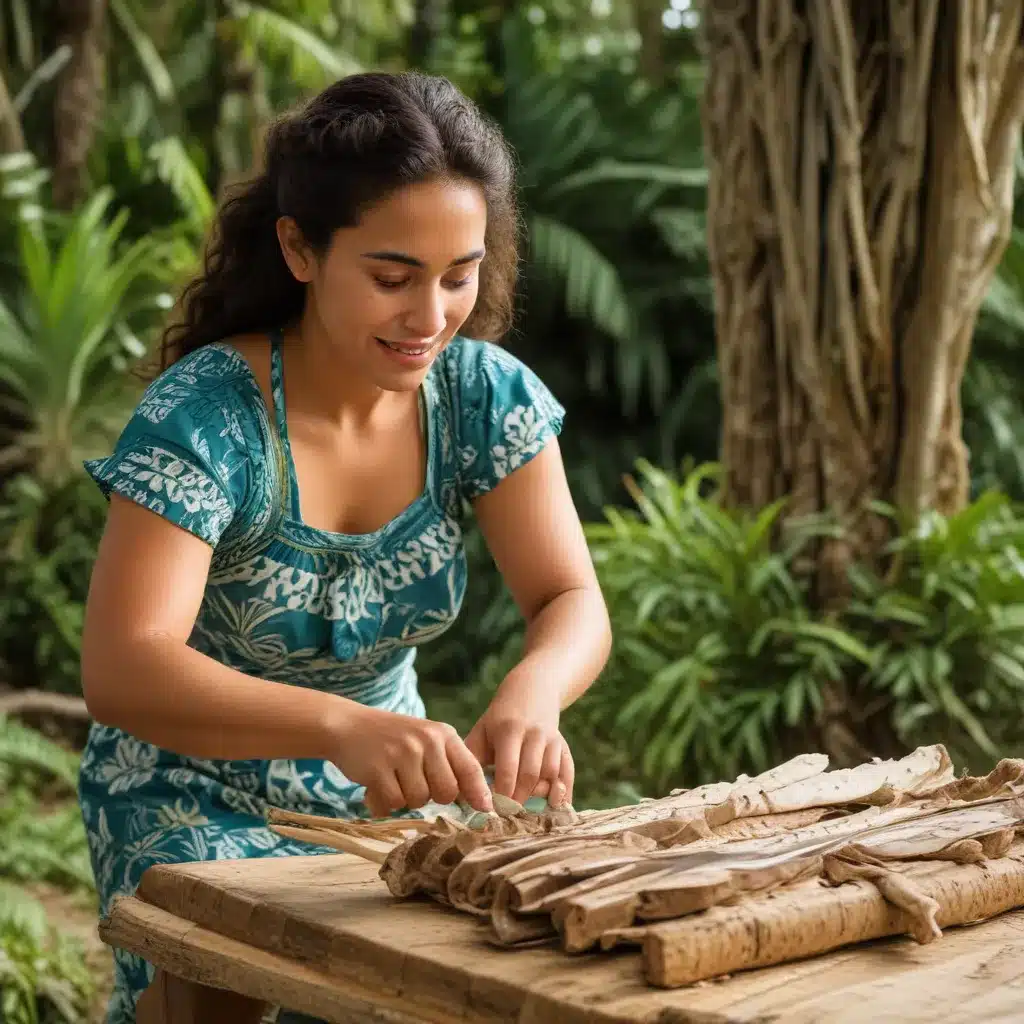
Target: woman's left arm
534	534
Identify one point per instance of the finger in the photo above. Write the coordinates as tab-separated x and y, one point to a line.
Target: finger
444	787
383	795
415	791
551	767
507	749
556	798
531	759
567	775
469	775
478	745
542	789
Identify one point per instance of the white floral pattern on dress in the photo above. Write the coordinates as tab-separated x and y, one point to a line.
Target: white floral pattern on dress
168	479
287	602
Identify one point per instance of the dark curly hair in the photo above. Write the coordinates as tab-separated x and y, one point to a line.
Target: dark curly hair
355	143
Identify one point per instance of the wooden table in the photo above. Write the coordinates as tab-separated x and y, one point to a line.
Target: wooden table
322	935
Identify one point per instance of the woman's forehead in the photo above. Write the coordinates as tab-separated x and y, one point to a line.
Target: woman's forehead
429	224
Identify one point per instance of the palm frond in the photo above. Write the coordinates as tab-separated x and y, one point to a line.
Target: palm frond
310	58
45	72
24	37
146	53
593	287
176	169
613	171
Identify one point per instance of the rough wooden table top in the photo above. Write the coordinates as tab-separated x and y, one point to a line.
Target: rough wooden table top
322	935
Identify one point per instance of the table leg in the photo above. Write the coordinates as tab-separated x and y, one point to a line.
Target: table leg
172	1000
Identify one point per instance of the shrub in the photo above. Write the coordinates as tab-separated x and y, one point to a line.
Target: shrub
44	977
722	664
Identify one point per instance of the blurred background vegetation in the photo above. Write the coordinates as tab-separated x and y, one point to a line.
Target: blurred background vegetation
121	121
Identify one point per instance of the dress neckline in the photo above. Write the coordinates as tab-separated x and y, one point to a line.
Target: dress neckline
290	485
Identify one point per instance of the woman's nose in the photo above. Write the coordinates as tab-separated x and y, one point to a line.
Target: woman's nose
428	317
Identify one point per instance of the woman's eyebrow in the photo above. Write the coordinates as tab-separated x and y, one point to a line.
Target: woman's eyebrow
411	261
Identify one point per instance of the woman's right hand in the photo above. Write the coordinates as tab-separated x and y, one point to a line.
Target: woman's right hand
404	761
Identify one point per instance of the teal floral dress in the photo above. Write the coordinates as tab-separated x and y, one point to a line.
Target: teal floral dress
287	602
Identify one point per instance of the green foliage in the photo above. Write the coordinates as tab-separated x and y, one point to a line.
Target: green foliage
43	975
44	978
606	211
69	330
993	392
715	647
48	541
947	635
616	316
720	664
42	836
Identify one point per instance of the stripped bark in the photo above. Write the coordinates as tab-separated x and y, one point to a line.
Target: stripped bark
809	919
601	878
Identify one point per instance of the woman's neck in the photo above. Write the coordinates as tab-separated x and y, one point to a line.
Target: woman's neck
323	385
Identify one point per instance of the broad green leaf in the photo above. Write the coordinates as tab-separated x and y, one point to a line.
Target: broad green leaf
610	170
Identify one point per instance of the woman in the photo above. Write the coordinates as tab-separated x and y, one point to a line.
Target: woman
286	510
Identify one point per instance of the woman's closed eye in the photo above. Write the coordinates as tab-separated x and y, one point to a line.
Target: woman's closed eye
391	284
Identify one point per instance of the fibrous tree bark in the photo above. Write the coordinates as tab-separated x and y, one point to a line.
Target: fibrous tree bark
861	162
79	100
650	29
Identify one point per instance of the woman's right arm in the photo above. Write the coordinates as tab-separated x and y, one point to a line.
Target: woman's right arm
140	675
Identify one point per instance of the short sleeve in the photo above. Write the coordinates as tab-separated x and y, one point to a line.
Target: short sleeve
506	415
179	454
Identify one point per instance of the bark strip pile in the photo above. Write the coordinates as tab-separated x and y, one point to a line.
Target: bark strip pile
794	862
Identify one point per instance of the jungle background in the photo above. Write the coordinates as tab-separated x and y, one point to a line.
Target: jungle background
783	307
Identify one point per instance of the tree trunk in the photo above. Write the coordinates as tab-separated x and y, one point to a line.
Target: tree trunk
862	162
427	26
80	25
649	26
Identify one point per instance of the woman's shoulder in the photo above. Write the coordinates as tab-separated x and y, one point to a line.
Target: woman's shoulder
484	372
503	414
467	358
193	446
215	375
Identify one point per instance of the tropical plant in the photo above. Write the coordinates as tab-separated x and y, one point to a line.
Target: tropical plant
44	977
946	629
48	541
616	312
68	331
993	393
722	663
613	215
37	845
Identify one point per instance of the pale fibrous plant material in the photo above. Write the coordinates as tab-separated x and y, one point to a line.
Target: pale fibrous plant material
851	246
812	859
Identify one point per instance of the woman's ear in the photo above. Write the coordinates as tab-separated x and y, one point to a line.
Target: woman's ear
296	251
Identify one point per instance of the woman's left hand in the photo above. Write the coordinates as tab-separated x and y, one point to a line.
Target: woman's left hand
518	734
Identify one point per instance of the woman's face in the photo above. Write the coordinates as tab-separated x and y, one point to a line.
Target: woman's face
391	292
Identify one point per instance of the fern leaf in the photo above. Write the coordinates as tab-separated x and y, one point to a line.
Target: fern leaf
175	168
593	287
